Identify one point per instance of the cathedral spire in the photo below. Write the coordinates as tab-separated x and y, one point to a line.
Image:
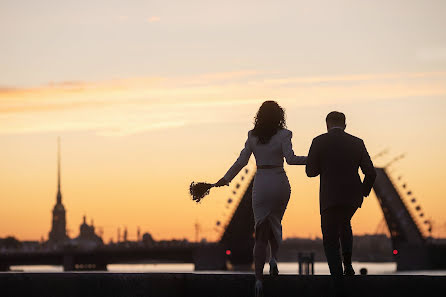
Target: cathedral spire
59	195
58	233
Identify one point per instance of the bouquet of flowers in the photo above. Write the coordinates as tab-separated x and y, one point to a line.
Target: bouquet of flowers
199	190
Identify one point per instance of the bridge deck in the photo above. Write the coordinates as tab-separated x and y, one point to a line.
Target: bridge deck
88	284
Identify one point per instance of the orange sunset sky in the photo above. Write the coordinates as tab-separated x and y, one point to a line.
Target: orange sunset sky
148	96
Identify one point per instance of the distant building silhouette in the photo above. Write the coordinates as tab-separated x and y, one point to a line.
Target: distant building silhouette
125	234
58	233
147	239
87	237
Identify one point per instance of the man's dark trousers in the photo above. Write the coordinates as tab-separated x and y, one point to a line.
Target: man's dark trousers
336	231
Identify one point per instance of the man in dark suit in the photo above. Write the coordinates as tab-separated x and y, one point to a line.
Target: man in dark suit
336	156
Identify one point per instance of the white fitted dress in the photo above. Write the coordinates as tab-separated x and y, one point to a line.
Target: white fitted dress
271	190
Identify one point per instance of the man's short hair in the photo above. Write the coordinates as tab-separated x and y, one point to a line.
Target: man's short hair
335	118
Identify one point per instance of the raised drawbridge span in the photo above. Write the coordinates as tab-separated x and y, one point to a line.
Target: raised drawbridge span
413	249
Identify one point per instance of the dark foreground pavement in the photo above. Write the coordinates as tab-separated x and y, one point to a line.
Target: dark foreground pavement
98	284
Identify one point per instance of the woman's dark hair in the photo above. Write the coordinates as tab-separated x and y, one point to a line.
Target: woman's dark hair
268	120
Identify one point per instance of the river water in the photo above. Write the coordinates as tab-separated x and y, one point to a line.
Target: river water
320	268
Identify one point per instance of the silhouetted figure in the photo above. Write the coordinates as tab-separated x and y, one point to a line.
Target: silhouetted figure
270	142
336	156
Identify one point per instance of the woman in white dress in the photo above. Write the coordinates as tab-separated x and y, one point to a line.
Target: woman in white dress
270	142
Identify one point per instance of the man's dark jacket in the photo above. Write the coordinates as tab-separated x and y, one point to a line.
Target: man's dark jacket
337	156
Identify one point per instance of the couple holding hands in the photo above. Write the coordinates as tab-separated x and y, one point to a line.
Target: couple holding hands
336	156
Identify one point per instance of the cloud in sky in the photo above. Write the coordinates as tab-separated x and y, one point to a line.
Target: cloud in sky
355	78
122	18
153	19
128	106
432	54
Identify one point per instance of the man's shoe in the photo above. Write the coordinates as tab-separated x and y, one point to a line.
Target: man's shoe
258	289
273	270
348	270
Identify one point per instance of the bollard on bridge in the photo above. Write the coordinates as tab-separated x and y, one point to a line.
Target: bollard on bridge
306	263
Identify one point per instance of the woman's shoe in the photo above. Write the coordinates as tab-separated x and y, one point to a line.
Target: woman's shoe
258	289
348	270
273	270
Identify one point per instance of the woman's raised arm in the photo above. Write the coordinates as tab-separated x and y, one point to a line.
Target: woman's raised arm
288	153
241	162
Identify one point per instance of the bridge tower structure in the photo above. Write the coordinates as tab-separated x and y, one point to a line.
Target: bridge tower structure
409	244
233	251
238	236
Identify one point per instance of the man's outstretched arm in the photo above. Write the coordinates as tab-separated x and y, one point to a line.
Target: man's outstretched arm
313	165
